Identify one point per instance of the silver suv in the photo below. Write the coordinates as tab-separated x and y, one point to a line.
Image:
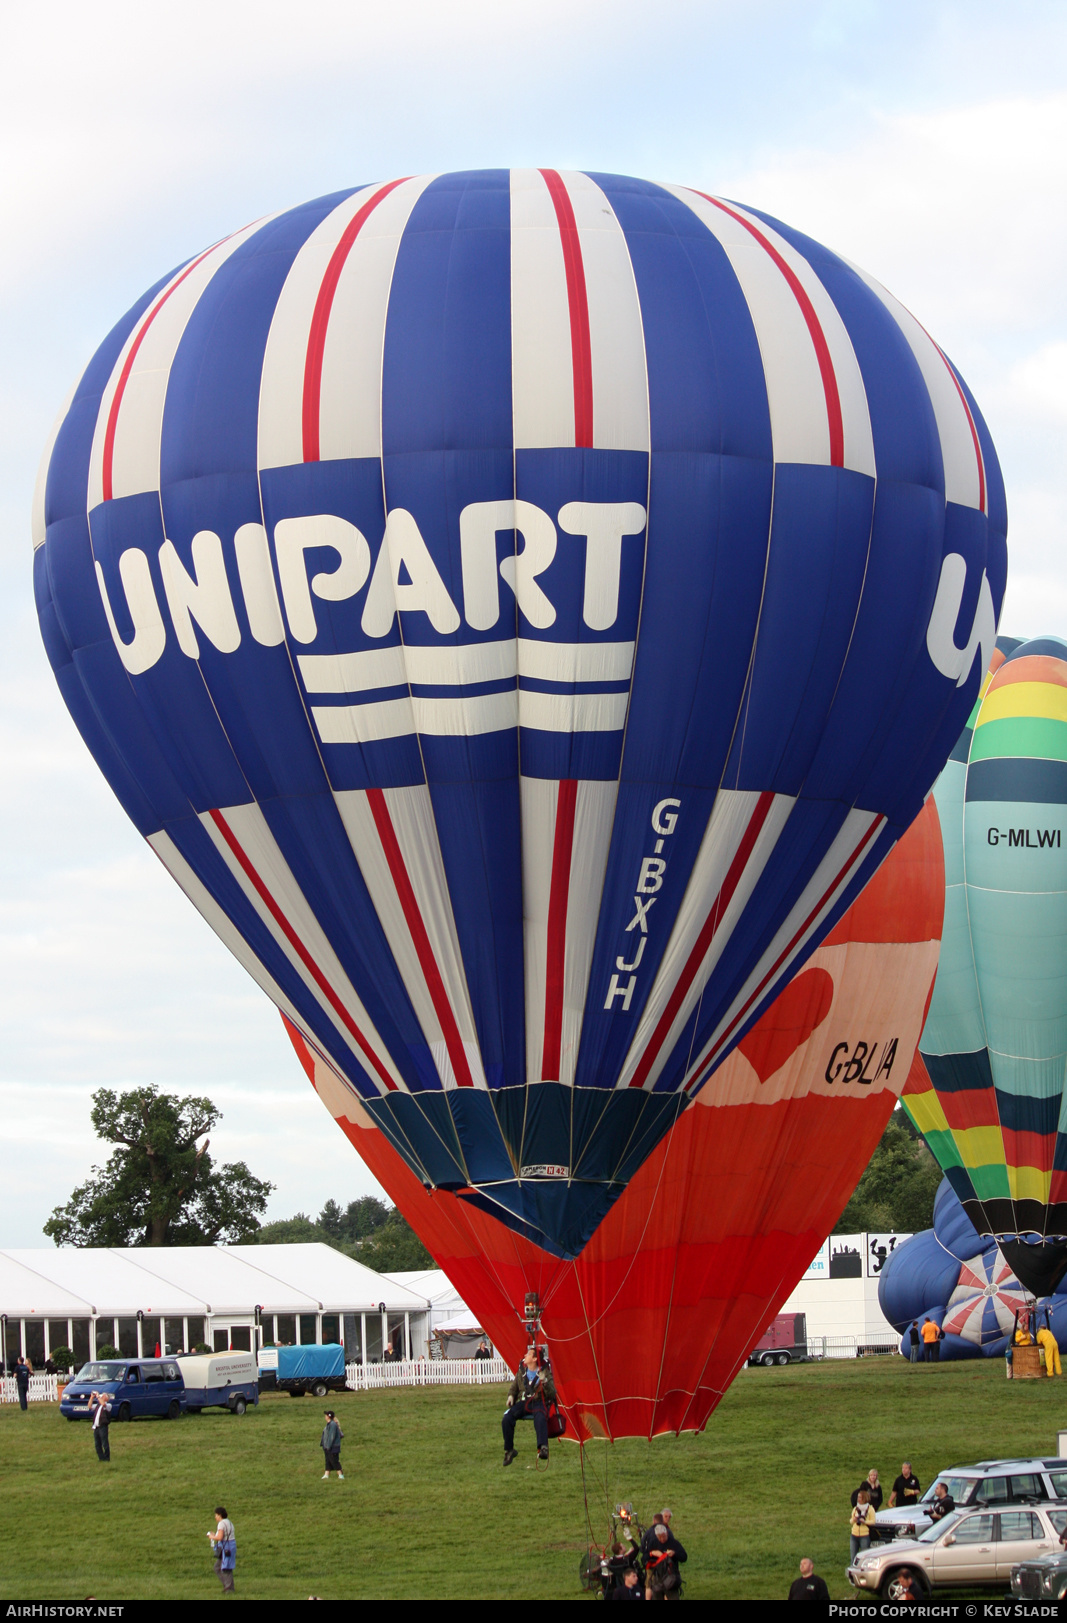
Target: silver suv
989	1482
967	1548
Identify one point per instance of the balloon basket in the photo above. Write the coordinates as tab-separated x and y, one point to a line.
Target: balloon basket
1026	1364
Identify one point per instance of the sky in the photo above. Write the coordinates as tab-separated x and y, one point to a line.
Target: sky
927	142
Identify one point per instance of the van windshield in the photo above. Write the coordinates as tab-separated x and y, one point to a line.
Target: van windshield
101	1372
958	1488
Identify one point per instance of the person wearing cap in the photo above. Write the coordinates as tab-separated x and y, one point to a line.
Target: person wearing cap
529	1395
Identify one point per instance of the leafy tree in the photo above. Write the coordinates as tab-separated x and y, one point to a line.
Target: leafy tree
366	1229
160	1186
897	1190
394	1247
296	1230
364	1216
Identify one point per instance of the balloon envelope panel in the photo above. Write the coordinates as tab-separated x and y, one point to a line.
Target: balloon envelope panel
521	609
995	1044
648	1326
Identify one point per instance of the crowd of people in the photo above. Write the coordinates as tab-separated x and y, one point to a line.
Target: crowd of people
642	1563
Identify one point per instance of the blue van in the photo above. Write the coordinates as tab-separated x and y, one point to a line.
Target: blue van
136	1387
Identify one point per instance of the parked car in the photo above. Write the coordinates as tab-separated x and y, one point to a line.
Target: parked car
220	1381
137	1387
1043	1578
785	1342
296	1370
967	1549
989	1482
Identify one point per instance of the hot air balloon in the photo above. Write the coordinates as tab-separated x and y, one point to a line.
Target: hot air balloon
995	1043
521	610
649	1325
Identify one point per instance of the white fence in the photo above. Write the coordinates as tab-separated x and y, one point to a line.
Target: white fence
427	1372
43	1389
852	1346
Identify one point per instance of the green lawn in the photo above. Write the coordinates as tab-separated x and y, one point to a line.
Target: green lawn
427	1510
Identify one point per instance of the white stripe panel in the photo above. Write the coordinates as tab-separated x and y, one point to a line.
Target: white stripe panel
616	331
366	842
231	938
953	424
250	829
538	800
350	395
470	662
841	855
37	514
411	810
469	715
542	374
594	815
135	461
795	393
730	818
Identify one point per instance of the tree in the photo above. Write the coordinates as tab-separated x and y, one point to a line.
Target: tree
897	1190
367	1229
160	1187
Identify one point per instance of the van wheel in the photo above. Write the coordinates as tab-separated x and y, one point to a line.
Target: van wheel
319	1389
238	1406
124	1411
891	1589
175	1409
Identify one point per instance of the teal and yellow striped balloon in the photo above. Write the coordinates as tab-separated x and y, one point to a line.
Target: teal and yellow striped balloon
993	1107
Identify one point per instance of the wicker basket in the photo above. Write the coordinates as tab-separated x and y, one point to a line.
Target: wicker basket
1026	1364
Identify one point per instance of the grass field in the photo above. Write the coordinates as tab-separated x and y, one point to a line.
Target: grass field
427	1511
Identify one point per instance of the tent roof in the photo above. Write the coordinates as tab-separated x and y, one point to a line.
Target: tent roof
73	1281
435	1286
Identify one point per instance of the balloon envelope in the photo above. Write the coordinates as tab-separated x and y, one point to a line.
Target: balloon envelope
521	610
995	1043
649	1325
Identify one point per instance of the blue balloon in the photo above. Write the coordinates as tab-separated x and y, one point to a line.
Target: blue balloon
521	610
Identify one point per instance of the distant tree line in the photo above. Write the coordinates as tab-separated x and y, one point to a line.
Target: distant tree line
896	1192
367	1229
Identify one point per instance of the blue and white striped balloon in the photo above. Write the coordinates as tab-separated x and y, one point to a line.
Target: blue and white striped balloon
521	610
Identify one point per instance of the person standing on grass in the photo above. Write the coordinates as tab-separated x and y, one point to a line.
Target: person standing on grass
661	1564
100	1409
913	1342
874	1491
330	1443
906	1489
809	1586
860	1523
22	1380
225	1541
930	1335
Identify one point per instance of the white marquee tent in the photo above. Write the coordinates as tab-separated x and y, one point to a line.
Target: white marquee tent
459	1328
224	1296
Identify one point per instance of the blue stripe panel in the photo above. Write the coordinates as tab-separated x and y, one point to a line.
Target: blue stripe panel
959	1073
1018	779
1027	1113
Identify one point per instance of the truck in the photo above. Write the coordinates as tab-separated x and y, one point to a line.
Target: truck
784	1342
227	1380
311	1368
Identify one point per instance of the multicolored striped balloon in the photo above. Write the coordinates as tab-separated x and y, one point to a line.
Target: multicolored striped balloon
521	609
995	1042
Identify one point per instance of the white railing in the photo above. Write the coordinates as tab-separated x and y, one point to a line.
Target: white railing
43	1389
428	1372
852	1346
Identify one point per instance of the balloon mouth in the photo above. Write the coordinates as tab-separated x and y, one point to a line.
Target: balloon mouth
1038	1263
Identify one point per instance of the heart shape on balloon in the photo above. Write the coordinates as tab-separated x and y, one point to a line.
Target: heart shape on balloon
798	1011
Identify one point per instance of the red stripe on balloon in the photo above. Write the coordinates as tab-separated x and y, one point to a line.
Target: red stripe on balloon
834	419
784	954
298	946
320	320
704	939
558	896
578	304
427	962
127	368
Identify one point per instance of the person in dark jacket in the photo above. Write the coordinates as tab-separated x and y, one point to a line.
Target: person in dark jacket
913	1342
809	1586
661	1565
529	1395
874	1490
630	1587
22	1379
100	1407
330	1443
942	1504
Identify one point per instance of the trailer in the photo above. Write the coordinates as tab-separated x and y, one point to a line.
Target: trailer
311	1368
220	1381
783	1342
